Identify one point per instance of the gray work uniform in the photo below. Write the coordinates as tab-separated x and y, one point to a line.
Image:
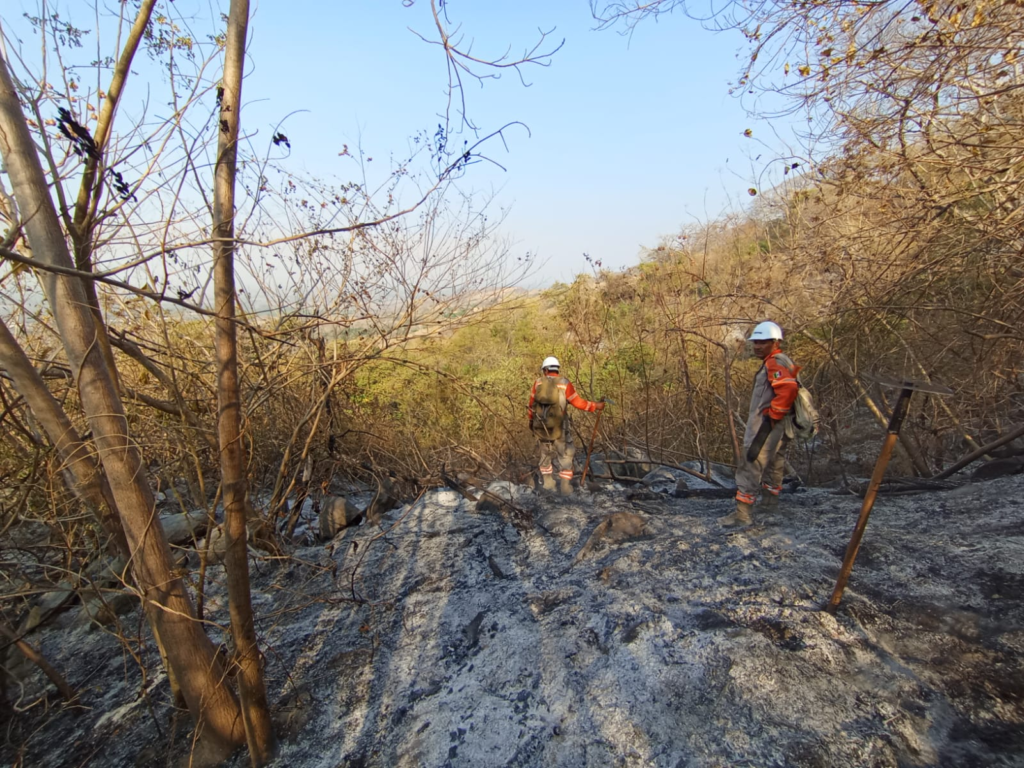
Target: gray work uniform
772	458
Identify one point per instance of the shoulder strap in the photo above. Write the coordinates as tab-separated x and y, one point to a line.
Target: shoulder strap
783	360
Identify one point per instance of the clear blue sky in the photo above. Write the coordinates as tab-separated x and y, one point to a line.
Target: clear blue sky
630	138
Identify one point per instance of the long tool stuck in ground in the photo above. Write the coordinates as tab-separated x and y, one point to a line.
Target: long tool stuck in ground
590	448
899	413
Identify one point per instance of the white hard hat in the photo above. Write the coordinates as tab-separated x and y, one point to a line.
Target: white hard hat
550	362
765	331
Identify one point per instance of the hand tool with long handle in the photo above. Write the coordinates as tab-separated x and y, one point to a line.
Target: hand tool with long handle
899	412
767	425
590	448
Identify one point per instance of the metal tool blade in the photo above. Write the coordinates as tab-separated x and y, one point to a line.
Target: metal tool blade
917	386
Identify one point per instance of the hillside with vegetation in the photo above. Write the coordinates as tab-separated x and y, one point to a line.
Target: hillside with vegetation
202	350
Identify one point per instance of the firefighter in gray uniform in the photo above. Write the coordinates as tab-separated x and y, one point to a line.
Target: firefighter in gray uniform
769	426
549	421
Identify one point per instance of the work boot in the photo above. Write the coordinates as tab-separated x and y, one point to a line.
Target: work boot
565	486
740	517
769	502
549	482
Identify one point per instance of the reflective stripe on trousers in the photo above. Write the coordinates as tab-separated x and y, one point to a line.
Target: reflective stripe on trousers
745	498
560	451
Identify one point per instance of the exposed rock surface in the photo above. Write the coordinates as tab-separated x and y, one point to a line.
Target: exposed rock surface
340	512
181	528
990	470
453	639
336	514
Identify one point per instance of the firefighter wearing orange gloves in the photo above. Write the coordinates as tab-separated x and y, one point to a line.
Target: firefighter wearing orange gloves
769	426
549	420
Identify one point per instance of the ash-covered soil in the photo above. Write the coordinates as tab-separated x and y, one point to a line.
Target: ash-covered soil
457	640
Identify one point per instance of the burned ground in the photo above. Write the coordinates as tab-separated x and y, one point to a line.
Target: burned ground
456	639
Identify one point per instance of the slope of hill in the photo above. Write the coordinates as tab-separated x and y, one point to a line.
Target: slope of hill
451	637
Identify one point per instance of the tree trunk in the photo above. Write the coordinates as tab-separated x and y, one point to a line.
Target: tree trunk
91	187
39	660
978	453
736	443
255	713
190	652
82	471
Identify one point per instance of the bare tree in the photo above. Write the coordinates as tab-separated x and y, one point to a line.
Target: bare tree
131	203
252	691
86	477
190	652
904	219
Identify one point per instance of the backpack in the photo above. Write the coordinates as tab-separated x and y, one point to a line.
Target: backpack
548	410
805	415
